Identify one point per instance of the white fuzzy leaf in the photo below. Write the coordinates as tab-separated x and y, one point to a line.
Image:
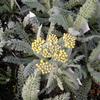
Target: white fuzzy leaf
74	32
27	18
85	27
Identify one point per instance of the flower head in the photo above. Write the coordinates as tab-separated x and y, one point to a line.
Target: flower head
60	56
52	39
37	44
54	48
46	53
44	66
49	49
69	40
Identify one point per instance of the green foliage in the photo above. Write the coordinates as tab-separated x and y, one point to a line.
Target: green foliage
86	39
72	3
94	65
70	80
29	69
16	60
65	96
4	77
31	87
86	12
18	30
7	6
34	4
58	16
95	53
2	43
21	81
18	45
95	75
63	79
83	91
4	6
78	58
41	18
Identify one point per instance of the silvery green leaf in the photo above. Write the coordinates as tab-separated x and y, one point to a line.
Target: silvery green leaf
95	75
34	4
19	45
88	38
31	87
30	68
59	82
65	96
57	16
16	60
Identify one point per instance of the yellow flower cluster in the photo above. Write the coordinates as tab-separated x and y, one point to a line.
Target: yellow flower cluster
52	39
60	56
44	66
49	50
37	44
69	40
